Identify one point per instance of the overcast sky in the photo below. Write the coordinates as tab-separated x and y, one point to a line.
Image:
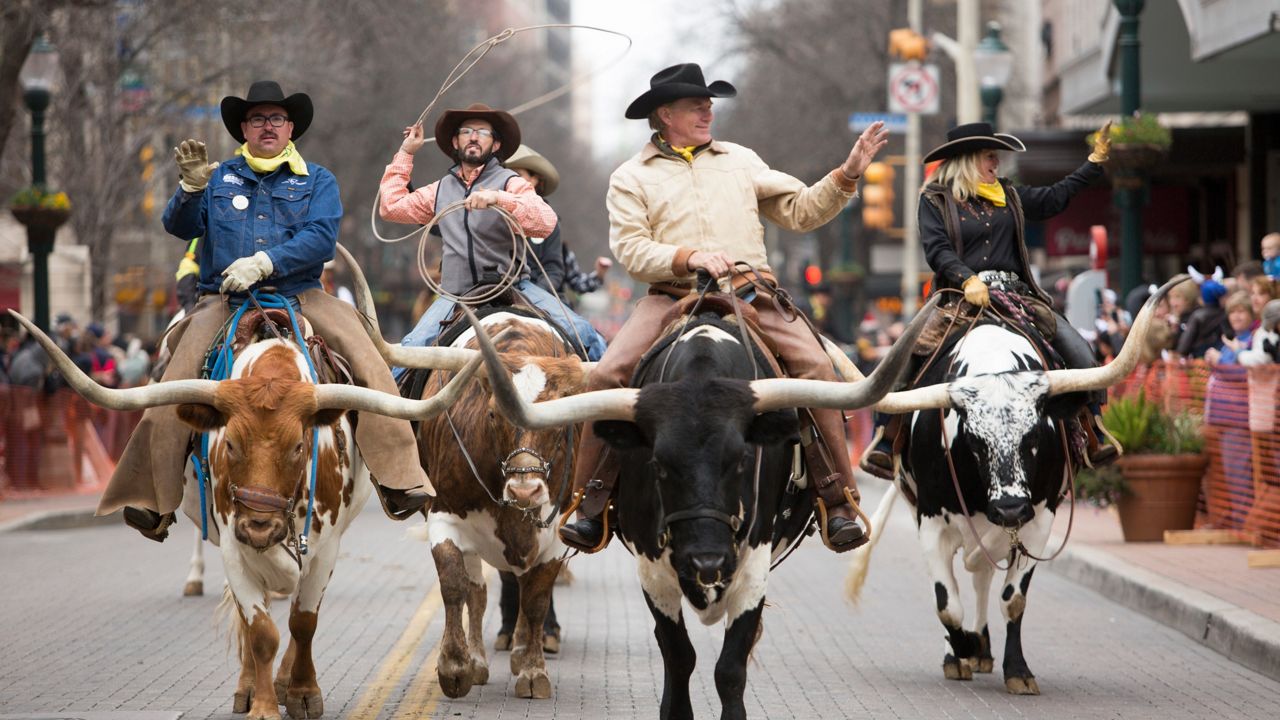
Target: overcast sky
663	33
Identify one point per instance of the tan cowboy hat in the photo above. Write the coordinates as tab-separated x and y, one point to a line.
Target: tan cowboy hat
972	137
503	124
526	158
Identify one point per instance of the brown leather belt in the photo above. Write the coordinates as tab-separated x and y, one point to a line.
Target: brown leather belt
680	288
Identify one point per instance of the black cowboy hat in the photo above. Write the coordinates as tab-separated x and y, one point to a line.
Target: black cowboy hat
267	92
503	124
972	137
678	81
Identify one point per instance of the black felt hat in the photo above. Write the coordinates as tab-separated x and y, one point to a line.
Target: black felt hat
267	92
972	137
678	81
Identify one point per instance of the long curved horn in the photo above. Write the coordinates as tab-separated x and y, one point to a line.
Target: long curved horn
776	393
438	358
903	401
1083	380
172	392
612	404
352	397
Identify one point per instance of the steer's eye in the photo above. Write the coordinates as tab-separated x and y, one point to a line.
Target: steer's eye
297	450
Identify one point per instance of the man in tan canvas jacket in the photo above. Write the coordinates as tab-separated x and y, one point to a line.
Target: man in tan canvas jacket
687	203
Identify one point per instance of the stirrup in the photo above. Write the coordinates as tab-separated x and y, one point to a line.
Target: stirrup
823	519
578	497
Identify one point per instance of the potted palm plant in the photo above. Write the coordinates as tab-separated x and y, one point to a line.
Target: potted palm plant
1156	485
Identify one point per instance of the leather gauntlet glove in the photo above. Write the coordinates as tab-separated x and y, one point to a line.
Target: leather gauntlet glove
194	167
975	292
245	272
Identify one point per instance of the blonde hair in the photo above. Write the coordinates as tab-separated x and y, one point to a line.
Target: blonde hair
961	174
1265	284
1239	300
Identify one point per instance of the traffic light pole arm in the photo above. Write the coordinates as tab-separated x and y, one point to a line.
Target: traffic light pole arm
968	108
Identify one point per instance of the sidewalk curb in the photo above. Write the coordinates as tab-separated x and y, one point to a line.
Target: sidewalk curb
1241	635
69	519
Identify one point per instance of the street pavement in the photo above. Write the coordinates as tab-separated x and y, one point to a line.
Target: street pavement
93	622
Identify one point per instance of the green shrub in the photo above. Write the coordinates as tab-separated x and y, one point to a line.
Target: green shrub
1138	130
1143	426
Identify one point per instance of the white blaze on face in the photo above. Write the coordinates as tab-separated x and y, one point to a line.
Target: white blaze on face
1001	410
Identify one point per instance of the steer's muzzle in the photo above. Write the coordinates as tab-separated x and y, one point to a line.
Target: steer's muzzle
260	530
526	493
1010	511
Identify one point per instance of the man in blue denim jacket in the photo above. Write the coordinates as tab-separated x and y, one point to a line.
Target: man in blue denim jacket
269	219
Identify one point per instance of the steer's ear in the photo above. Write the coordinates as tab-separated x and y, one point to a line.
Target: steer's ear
1065	406
202	417
621	434
772	427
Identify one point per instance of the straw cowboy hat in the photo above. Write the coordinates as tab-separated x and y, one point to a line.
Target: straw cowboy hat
526	158
267	92
678	81
508	131
972	137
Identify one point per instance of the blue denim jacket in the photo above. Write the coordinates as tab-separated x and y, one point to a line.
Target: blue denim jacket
293	218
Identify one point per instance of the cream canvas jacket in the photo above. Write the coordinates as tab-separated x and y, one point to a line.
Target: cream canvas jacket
662	209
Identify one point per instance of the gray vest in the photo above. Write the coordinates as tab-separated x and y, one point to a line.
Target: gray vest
476	242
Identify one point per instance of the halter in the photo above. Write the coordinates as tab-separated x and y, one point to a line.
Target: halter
223	361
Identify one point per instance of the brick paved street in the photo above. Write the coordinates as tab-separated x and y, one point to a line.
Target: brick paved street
92	621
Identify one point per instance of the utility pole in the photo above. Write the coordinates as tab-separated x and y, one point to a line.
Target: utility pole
968	105
1131	191
911	191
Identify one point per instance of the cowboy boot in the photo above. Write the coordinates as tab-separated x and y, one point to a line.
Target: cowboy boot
832	476
402	504
592	496
152	525
877	459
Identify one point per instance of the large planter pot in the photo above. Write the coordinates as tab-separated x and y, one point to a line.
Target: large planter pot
1162	494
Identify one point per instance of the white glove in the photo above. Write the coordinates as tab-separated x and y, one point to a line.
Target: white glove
245	272
194	167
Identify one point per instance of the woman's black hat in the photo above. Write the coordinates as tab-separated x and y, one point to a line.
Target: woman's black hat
972	137
678	81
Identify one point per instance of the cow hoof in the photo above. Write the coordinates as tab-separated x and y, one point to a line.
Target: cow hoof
240	701
1021	686
480	673
454	683
957	670
534	685
310	705
264	716
985	665
551	644
503	642
282	687
193	588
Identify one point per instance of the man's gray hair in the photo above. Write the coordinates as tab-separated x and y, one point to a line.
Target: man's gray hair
655	123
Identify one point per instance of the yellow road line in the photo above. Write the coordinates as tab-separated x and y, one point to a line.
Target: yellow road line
393	668
424	691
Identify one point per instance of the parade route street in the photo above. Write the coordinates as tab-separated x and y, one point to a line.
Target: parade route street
94	625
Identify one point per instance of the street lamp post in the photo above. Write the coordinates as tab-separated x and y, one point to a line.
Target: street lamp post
37	76
1130	194
994	65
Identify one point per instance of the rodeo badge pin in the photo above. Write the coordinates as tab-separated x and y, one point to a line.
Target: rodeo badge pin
240	202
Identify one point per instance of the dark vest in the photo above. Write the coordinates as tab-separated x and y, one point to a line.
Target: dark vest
476	242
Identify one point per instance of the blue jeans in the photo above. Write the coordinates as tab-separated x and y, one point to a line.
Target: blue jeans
428	328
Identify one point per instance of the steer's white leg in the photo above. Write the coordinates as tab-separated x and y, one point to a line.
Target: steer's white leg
940	541
195	578
982	576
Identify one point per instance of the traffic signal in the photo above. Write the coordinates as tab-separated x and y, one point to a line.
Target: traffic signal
147	157
908	44
877	196
812	275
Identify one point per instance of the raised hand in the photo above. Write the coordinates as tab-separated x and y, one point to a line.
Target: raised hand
194	168
413	139
870	142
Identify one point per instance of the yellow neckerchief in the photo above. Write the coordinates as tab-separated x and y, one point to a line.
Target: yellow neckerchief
992	191
188	265
289	155
685	152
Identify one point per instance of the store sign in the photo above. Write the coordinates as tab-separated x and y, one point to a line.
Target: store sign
1166	223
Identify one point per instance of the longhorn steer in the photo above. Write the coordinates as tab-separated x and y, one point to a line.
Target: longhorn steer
260	453
497	486
702	500
991	409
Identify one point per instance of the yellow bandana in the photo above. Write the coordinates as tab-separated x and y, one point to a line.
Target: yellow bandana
188	265
289	155
993	192
685	152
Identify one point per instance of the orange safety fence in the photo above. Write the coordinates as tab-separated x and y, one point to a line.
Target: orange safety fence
57	442
1241	487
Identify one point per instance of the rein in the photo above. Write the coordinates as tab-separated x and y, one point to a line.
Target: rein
1015	543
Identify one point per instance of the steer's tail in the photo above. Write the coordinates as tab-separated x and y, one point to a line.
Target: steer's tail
860	559
227	615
